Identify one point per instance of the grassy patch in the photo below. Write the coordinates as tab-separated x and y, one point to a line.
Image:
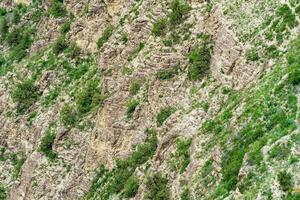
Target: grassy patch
58	9
199	59
164	114
160	27
25	95
285	181
131	106
157	187
107	33
179	10
47	143
120	179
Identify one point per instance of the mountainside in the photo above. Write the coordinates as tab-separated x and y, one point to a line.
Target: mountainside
149	99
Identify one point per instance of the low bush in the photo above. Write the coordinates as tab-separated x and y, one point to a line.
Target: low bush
285	180
199	60
65	28
51	97
179	9
124	38
131	187
160	27
164	114
157	187
107	33
252	55
182	155
68	116
166	74
25	95
47	143
134	87
89	97
57	9
59	45
131	106
3	192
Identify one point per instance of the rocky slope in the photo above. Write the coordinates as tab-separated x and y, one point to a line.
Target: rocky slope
149	99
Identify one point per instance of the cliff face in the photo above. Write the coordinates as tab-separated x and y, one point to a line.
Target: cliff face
149	99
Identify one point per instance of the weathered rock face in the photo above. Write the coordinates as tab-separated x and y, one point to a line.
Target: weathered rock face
134	65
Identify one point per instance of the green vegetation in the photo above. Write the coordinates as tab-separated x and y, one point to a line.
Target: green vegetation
3	192
107	33
134	88
58	9
25	95
164	114
131	187
179	9
181	158
252	55
137	51
51	97
90	97
119	180
166	74
285	181
59	45
68	116
293	62
199	59
131	106
47	143
157	187
160	27
124	37
185	194
65	28
18	163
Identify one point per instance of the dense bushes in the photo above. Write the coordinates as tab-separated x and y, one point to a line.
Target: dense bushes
120	180
105	36
199	59
181	158
157	187
160	27
25	95
47	143
285	181
68	116
169	73
294	62
59	45
164	114
131	106
179	9
57	9
89	97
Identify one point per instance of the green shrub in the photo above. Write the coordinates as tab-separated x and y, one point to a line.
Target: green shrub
199	61
124	38
107	33
131	106
25	95
157	187
166	74
252	55
68	116
182	156
179	9
285	180
3	192
294	61
131	187
47	143
164	114
57	9
3	27
185	194
134	87
65	28
59	45
18	163
89	97
73	51
160	27
120	178
51	97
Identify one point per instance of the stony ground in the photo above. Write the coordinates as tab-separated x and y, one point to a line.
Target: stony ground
149	99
